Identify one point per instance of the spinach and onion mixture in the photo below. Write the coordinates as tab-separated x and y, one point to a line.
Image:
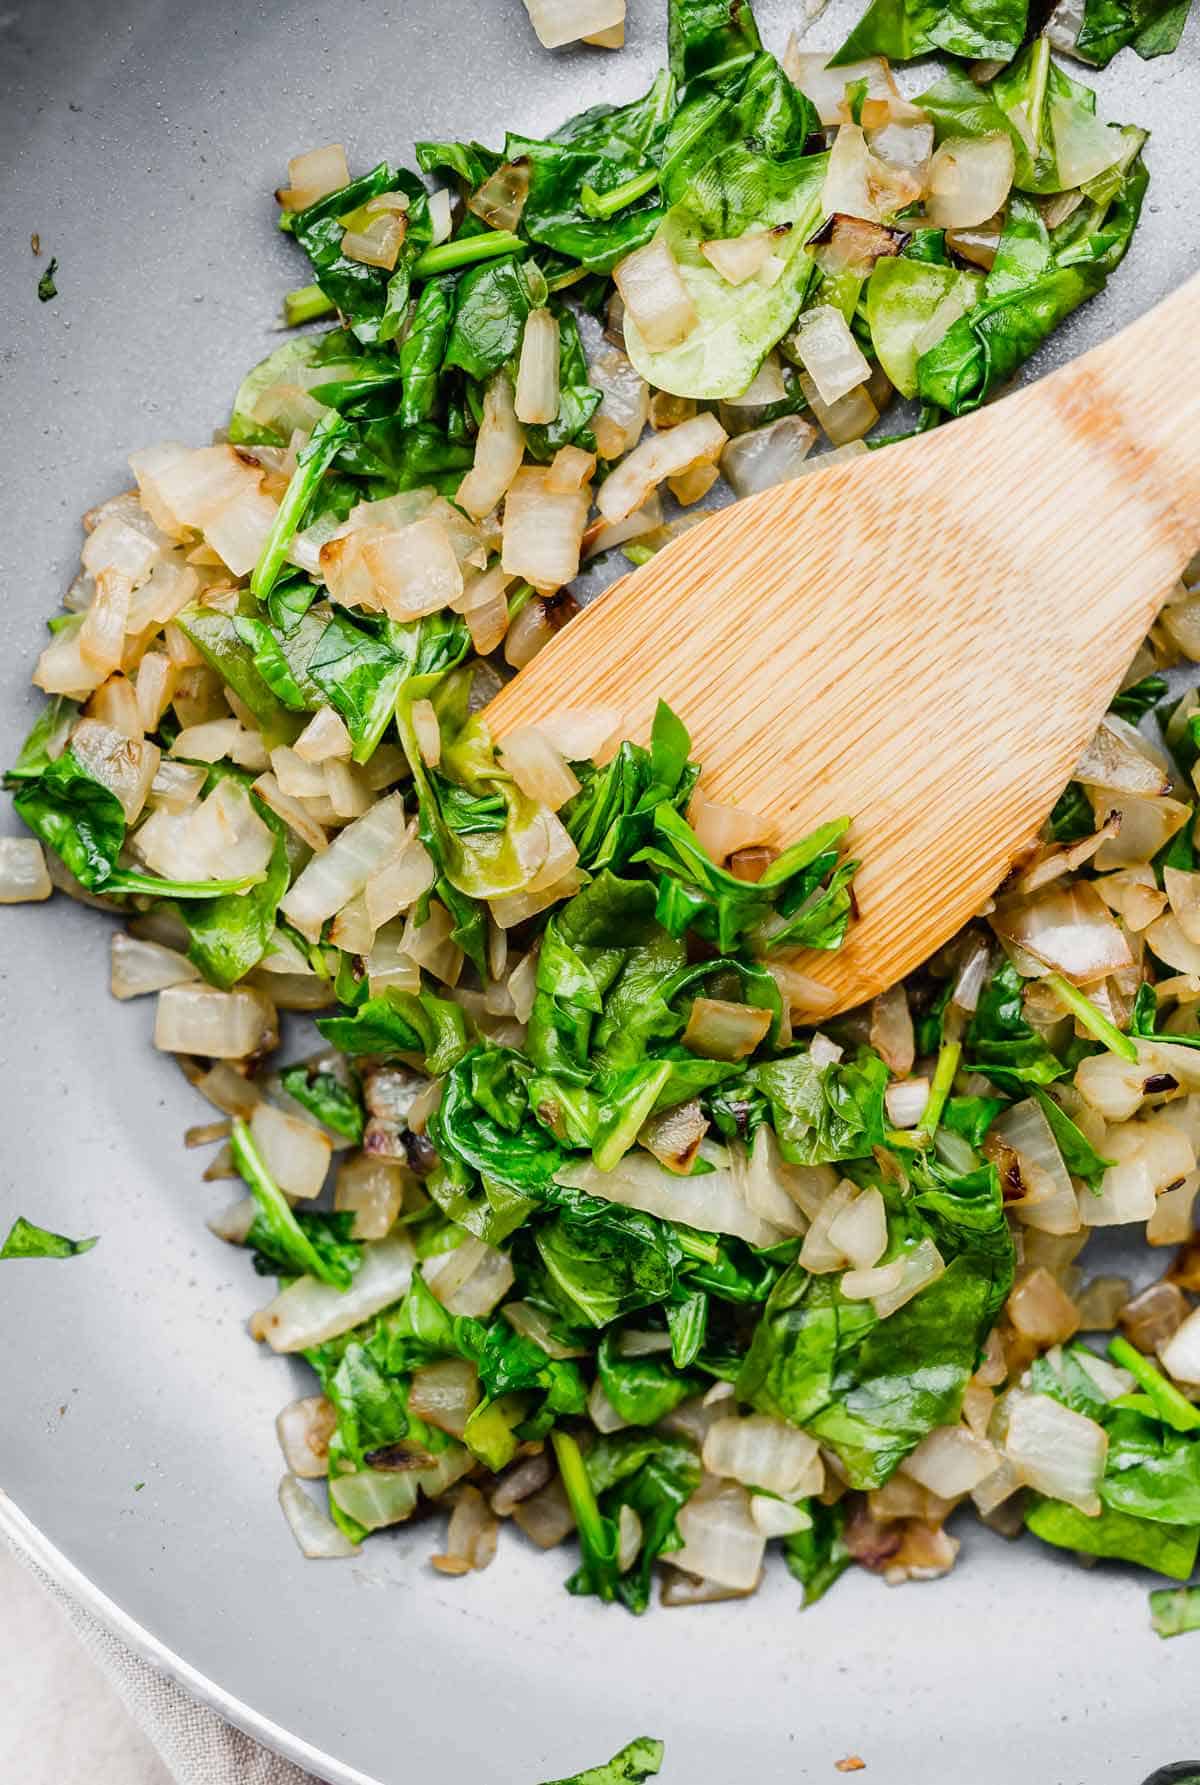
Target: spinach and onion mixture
586	1212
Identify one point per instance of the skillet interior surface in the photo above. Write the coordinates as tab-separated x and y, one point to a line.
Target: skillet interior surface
142	142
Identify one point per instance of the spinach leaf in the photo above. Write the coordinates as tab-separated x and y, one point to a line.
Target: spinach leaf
491	304
406	458
1174	1611
821	1113
654	1476
47	738
360	674
818	1556
1151	1472
999	1042
1134	702
737	325
990	30
1153	27
1079	1156
1166	1548
370	298
337	1104
84	823
1072	817
402	1023
635	1762
227	936
710	39
642	1389
279	1231
470	162
612	815
216	636
902	295
422	351
25	1240
603	1260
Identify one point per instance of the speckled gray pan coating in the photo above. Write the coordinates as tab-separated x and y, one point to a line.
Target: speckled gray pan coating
142	141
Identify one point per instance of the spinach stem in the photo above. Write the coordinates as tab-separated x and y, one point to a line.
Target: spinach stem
606	204
312	462
464	250
1093	1020
948	1057
305	305
1174	1408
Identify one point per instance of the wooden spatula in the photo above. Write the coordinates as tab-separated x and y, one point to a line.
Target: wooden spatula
924	638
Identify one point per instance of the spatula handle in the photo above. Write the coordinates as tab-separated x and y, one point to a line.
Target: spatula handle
1137	397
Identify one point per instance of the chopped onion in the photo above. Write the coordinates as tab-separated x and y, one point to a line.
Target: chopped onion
1146	826
1040	1309
1183	891
295	1150
739	258
657	301
565	21
545	1517
1101	1300
906	1101
315	1532
625	405
294	814
1084	146
721	1541
308	1312
719	1030
533	1324
1119	760
1066	929
332	879
499	449
1150	1156
950	1461
314	175
372	1190
430	945
215	738
829	353
499	201
662	455
1170	942
471	1279
537	768
693	484
400	882
537	372
888	1286
1180	1356
543	529
389	963
23	875
1025	1132
1172	1222
844	422
775	1518
826	87
859	184
601	1411
581	734
141	967
859	1230
125	766
709	1201
323	737
521	1479
764	457
891	1031
304	1429
445	1394
471	1536
199	1019
763	1453
1149	1320
413	570
969	180
1055	1450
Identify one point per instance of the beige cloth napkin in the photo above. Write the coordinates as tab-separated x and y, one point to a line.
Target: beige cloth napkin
195	1745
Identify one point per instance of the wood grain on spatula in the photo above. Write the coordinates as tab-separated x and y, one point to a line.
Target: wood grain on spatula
923	638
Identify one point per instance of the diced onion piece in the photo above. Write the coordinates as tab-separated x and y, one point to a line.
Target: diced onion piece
543	529
709	1201
102	633
471	1279
199	1019
332	879
1172	1222
762	1452
571	468
427	732
413	569
388	963
826	87
1152	1318
655	297
222	836
445	1394
1149	1156
906	1100
950	1461
889	1286
625	407
611	39
533	1324
1183	891
891	1030
323	737
720	1030
1120	760
723	829
238	533
537	768
297	776
1056	1451
782	1194
314	175
296	1151
1026	1132
565	21
227	1090
62	669
1180	1356
141	967
1084	145
829	353
23	874
375	1498
1171	943
294	814
662	455
691	485
400	882
319	1539
212	739
775	1518
372	1190
537	371
859	1231
721	1541
969	180
601	1411
1040	1309
116	546
1065	928
545	1517
308	1312
430	945
1146	826
304	1429
471	1535
844	422
581	734
499	449
738	258
859	184
764	457
818	1254
379	243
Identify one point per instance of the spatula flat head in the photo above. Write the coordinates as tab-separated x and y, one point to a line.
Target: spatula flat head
923	638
